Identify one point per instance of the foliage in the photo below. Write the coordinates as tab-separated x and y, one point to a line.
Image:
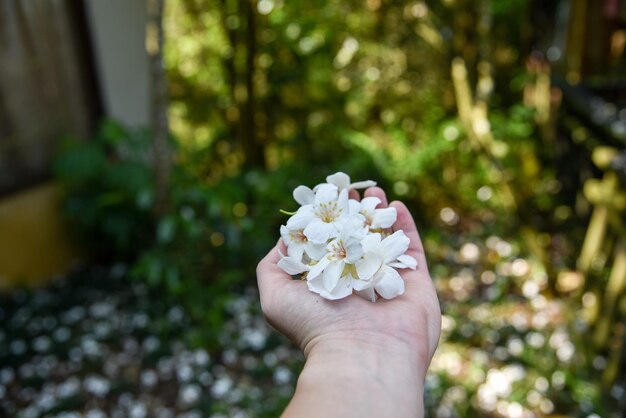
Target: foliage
109	188
333	77
269	94
206	246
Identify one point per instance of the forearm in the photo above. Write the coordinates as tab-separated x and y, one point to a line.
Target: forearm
360	378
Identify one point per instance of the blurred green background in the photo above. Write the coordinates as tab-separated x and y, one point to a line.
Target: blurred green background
502	126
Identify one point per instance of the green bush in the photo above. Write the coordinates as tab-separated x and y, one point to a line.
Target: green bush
207	245
109	191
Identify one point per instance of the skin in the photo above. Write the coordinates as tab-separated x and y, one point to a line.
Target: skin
362	358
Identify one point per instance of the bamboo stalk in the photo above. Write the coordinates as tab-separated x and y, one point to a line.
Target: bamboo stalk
599	194
614	290
474	116
593	237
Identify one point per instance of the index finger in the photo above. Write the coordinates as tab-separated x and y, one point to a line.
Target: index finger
379	193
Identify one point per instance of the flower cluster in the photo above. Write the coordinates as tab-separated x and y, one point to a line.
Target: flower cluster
341	245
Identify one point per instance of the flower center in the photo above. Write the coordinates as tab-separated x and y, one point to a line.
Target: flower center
350	270
298	236
337	251
328	212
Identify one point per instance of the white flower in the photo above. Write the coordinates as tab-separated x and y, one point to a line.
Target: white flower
298	244
374	218
342	181
306	196
333	242
321	218
384	256
335	274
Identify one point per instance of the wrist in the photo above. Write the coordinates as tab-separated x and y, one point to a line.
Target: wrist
365	375
357	350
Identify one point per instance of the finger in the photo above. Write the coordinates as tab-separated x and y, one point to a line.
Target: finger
379	193
267	272
406	223
354	194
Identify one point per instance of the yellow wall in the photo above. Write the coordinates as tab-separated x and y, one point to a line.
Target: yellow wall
34	244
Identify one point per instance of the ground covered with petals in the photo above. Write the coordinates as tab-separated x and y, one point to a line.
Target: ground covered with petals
96	344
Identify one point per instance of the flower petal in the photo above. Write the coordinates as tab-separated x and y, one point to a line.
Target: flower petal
301	219
285	235
332	273
319	232
404	261
371	243
368	294
315	251
291	265
315	285
367	267
304	195
368	204
394	246
390	284
354	206
384	218
354	251
362	184
342	290
318	268
342	202
325	193
339	179
353	226
358	284
296	250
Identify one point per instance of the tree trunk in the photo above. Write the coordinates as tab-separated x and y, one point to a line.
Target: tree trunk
159	121
252	148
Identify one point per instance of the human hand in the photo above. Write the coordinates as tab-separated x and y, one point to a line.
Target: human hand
381	348
403	332
308	319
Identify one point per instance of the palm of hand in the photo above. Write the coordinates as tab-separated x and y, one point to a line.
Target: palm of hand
412	319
